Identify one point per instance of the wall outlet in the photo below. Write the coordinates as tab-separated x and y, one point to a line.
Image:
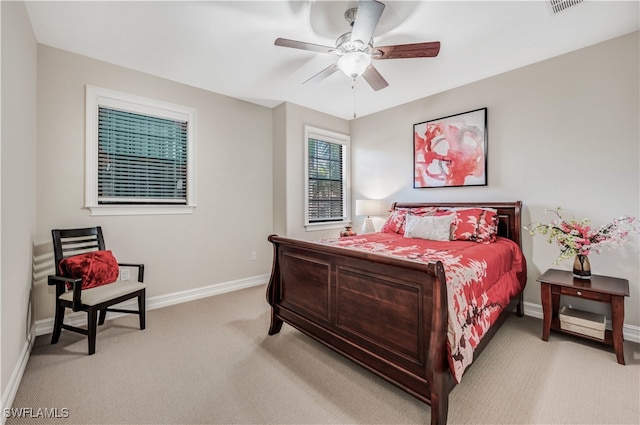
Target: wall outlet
253	255
125	274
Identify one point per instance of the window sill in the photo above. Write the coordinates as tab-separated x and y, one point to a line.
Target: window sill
326	226
140	209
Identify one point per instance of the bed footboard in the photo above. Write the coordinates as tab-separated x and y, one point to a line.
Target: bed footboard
386	314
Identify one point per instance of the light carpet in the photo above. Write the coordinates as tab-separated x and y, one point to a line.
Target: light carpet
211	361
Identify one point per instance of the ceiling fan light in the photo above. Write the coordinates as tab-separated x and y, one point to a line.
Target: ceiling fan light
354	64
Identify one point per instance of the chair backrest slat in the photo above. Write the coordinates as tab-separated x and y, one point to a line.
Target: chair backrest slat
69	242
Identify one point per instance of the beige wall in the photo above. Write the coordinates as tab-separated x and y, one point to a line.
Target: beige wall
18	190
563	132
289	138
233	180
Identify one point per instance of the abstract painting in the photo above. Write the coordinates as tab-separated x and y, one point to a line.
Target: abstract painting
451	151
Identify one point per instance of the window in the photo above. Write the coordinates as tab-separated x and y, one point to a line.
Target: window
326	179
139	155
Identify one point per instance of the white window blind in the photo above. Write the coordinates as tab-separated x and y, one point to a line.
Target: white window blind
141	159
326	188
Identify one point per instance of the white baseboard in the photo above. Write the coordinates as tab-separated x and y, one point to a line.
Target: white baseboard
629	332
16	377
45	326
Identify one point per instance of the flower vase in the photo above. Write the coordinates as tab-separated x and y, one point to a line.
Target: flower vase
348	231
581	267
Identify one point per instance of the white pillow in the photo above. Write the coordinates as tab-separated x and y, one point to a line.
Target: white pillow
435	228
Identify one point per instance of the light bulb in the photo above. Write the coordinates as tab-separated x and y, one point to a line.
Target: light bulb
354	64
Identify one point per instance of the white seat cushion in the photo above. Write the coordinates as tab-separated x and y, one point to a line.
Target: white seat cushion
97	295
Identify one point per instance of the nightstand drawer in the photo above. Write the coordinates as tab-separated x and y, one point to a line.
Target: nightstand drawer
581	293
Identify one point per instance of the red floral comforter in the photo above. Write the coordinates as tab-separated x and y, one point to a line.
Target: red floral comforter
480	278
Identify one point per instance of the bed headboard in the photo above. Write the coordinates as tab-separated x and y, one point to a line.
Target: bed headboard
509	225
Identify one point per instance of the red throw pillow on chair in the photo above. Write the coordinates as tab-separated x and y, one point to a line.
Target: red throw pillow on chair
95	268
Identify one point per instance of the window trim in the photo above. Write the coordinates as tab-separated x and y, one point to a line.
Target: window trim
345	141
98	96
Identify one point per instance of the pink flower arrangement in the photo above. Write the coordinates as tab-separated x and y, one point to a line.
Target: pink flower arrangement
577	237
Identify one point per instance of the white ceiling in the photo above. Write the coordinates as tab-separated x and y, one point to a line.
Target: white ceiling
227	46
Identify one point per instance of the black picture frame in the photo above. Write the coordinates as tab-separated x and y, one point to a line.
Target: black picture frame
451	151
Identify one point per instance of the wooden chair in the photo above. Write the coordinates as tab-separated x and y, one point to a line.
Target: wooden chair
71	242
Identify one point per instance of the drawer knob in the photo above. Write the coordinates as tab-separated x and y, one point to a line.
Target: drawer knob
579	293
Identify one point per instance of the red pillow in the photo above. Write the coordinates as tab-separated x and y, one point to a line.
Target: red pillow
395	221
475	224
95	268
488	228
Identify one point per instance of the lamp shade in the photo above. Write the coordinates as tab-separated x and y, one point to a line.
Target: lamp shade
354	63
369	207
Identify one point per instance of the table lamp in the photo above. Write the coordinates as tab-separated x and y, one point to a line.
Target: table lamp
369	207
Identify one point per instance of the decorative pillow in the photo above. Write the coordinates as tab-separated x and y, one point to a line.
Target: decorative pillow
395	221
488	226
475	224
95	268
435	228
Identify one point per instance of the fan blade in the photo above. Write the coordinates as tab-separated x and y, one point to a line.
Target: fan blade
402	51
374	78
324	73
367	17
284	42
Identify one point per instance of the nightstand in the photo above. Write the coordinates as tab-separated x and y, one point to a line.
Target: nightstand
605	289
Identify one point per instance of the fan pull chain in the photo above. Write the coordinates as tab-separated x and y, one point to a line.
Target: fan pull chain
353	87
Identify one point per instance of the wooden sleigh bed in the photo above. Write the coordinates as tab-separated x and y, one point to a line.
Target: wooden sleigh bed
331	294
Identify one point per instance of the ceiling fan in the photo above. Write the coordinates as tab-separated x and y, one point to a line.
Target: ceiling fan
355	49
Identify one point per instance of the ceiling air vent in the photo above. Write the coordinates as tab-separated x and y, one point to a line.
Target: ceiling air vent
557	6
